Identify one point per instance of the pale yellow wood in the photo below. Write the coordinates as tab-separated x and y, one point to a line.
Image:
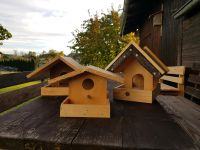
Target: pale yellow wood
54	91
96	95
93	70
165	87
68	109
180	70
104	73
133	95
134	68
156	58
160	69
65	76
67	60
181	87
174	70
173	79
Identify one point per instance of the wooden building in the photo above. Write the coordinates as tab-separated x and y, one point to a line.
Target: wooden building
168	27
141	70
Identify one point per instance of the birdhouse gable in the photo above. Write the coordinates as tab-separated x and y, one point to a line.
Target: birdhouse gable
149	61
58	66
92	70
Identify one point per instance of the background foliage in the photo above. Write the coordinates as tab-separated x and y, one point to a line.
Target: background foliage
99	40
4	34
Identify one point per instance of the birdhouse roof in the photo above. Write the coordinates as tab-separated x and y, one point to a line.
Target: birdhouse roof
66	60
91	69
145	57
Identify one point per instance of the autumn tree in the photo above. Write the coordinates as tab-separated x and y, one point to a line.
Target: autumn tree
4	34
99	40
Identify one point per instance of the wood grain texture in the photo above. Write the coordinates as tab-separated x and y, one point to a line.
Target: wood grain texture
185	113
54	91
16	97
132	126
67	60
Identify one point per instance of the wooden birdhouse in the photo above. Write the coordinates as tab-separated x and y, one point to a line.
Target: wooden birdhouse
88	95
141	70
86	87
56	68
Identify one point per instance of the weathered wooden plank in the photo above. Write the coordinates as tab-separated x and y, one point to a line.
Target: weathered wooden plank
42	128
101	133
18	78
10	129
16	97
194	79
132	125
185	113
192	91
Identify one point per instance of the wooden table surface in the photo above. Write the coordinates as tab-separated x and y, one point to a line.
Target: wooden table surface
37	125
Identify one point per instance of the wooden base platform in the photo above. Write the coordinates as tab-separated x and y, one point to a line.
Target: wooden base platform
54	91
135	95
140	126
84	110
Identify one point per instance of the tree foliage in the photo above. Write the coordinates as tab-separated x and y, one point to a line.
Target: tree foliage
4	34
99	41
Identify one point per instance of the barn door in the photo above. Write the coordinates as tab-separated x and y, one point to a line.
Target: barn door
150	34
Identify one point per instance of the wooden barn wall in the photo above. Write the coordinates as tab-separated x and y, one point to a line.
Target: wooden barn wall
149	34
191	40
171	43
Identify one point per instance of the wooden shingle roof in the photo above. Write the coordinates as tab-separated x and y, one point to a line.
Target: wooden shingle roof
145	57
66	60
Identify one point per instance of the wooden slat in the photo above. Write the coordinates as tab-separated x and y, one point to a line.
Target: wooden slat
179	70
194	79
173	79
156	59
165	87
54	91
16	97
192	91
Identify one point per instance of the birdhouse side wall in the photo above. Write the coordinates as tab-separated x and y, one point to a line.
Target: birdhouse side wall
88	89
136	76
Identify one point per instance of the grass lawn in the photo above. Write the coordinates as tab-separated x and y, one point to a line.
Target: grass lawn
19	86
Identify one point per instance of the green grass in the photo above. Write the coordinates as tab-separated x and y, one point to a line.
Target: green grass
19	86
18	106
7	72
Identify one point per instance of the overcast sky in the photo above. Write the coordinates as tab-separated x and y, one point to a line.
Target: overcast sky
38	25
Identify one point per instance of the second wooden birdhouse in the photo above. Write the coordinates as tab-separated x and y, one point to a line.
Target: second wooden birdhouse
141	70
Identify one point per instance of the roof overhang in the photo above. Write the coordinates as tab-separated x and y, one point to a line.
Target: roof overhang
186	8
135	12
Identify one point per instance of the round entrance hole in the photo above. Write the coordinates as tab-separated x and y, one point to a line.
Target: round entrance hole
88	84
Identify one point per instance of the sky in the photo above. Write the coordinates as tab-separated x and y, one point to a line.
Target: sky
40	25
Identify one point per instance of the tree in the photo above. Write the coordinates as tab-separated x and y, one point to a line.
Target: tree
99	41
4	34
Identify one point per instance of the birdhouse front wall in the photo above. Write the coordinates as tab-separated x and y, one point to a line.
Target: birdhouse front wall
88	89
137	77
57	70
